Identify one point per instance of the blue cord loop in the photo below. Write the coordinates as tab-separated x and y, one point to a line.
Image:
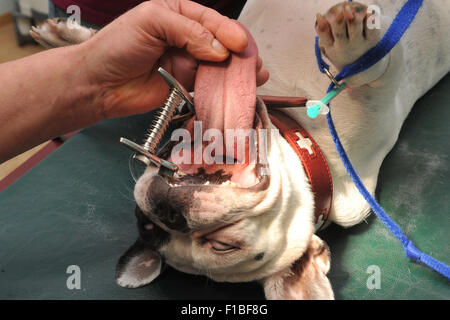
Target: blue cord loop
322	64
398	27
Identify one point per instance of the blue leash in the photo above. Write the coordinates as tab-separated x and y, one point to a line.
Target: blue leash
398	27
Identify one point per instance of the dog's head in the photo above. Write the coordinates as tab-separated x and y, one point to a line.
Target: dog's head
232	223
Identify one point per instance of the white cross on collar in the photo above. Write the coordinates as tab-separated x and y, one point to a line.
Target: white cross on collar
305	143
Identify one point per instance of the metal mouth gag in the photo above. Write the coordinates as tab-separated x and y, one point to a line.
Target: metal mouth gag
178	103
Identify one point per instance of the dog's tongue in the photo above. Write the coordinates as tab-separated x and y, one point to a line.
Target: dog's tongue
225	93
225	98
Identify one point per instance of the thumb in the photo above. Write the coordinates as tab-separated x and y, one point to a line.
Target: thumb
202	43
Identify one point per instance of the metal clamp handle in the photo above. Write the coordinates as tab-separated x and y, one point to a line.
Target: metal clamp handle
177	99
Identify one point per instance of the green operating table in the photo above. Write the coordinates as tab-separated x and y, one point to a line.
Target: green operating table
76	208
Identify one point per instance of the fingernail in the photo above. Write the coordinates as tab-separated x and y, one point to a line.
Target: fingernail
218	47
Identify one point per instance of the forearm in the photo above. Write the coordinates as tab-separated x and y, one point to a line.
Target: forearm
44	96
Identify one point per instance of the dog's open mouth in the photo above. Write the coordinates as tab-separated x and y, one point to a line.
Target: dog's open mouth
227	171
226	106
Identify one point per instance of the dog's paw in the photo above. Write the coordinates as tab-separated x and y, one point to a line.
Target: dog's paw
344	35
59	33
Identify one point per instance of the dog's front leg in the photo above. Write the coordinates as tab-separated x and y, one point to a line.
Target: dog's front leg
345	36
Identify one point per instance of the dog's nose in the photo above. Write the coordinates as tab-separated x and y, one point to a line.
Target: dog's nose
169	210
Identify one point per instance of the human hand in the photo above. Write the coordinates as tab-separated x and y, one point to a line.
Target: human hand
123	58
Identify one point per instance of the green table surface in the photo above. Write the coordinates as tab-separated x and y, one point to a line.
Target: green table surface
76	208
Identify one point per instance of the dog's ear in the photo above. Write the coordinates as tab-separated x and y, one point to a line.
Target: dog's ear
138	266
306	279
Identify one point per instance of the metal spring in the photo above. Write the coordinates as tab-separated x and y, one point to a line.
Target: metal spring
160	125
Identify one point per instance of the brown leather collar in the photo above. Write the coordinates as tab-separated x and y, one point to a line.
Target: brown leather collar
313	161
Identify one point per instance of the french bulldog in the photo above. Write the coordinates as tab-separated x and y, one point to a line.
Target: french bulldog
234	223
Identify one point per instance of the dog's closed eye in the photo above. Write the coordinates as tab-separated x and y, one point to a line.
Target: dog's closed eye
220	246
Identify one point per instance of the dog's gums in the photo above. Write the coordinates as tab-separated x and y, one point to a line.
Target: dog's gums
200	178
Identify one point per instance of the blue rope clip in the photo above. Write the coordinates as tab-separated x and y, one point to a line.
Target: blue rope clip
316	107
